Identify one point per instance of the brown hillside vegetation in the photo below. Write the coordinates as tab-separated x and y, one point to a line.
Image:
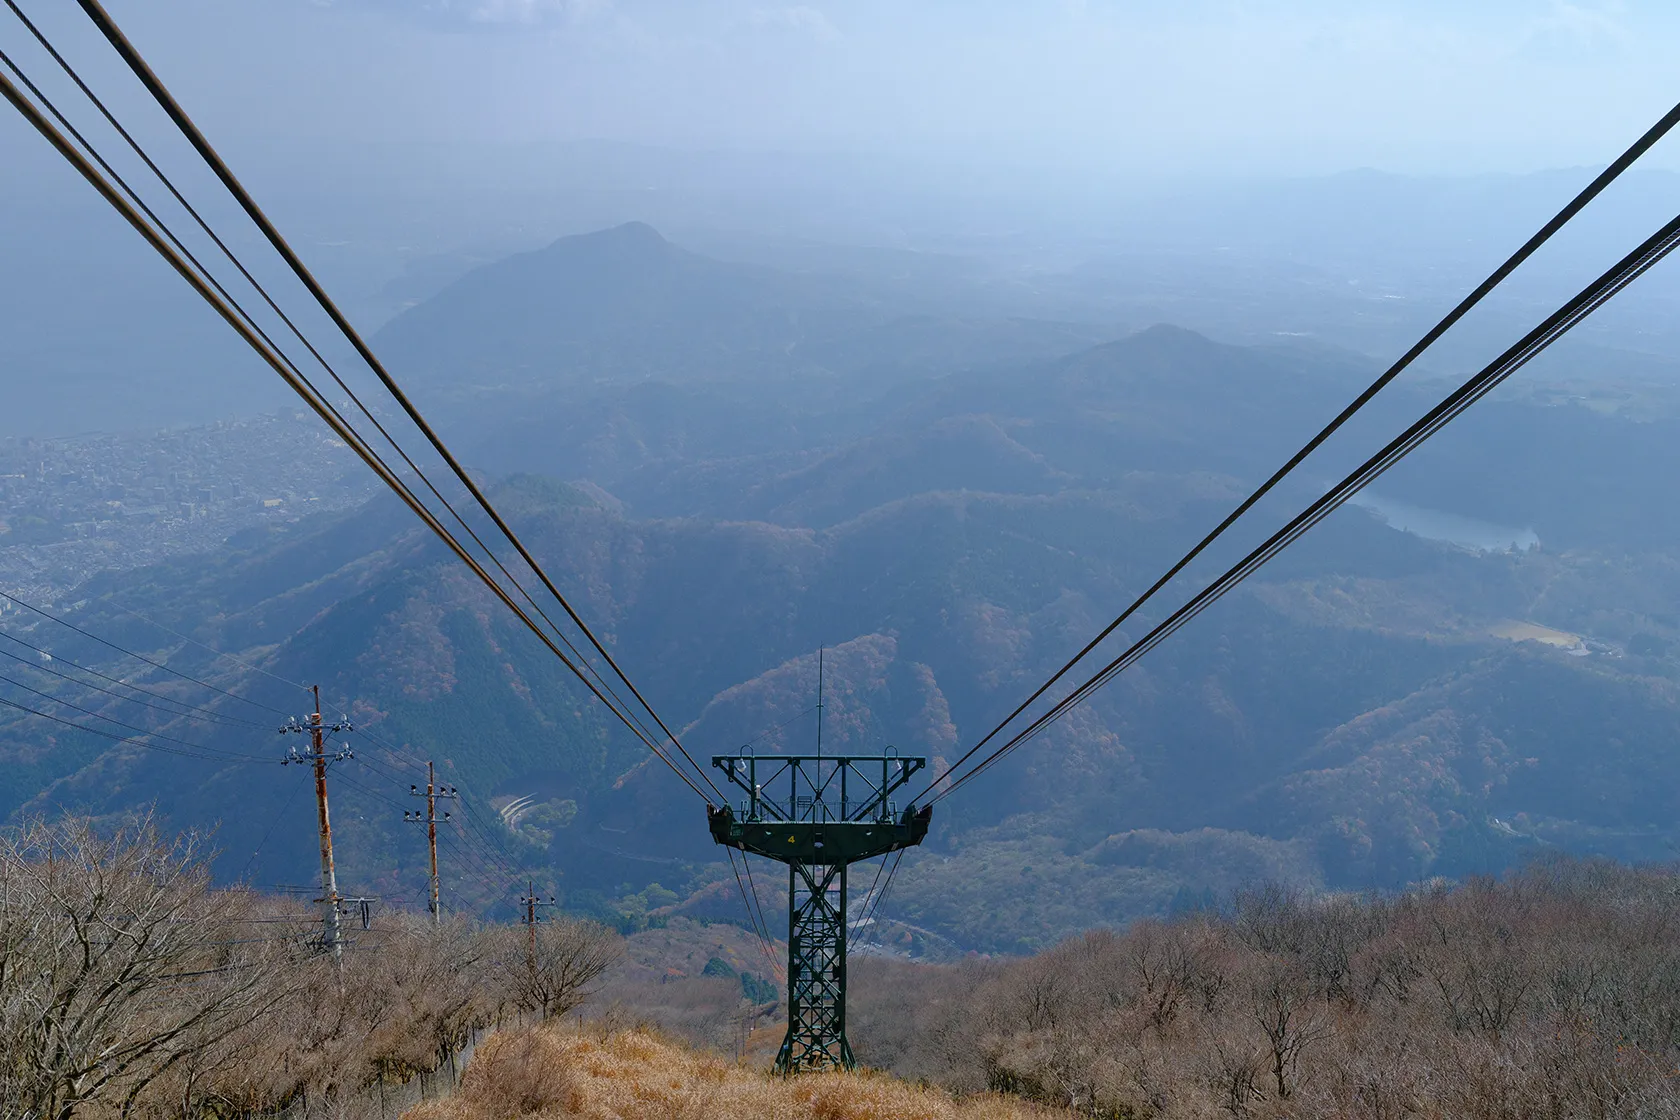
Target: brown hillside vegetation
554	1071
1554	993
130	987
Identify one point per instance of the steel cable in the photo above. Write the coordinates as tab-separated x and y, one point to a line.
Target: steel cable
207	152
616	703
321	407
1609	175
1584	303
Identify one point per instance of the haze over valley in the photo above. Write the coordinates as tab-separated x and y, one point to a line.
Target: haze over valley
736	465
738	348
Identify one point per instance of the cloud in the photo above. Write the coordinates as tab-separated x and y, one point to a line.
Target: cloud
1155	85
1577	32
798	18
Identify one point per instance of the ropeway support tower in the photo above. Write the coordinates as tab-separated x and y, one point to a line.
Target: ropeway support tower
818	814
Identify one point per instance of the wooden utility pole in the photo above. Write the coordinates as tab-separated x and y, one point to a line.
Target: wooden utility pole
532	905
434	793
332	935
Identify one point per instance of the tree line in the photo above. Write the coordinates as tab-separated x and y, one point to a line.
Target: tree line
1554	992
131	987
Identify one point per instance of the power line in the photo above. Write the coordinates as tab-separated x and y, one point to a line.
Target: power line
371	792
190	713
401	754
236	318
389	773
131	727
468	828
480	861
207	152
470	833
472	827
469	858
115	737
491	838
470	847
10	92
1584	303
246	665
1639	147
285	803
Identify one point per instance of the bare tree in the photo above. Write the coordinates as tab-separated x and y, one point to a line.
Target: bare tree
1288	1015
1553	992
553	975
120	965
1229	1064
1476	958
1173	964
433	978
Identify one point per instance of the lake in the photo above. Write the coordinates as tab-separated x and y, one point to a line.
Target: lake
1437	525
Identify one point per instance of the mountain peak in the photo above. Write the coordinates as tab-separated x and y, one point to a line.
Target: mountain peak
1168	335
630	241
1154	345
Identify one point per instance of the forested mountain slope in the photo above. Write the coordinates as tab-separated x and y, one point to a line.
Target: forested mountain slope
1359	715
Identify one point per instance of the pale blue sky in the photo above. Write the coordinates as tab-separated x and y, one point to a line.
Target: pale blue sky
1067	85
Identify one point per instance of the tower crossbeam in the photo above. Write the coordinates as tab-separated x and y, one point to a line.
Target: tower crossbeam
818	814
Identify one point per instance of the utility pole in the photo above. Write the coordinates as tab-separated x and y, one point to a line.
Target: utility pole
532	905
434	793
332	936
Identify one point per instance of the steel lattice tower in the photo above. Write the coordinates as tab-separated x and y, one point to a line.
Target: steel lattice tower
818	814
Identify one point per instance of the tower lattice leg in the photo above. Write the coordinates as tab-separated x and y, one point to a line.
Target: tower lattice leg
816	1036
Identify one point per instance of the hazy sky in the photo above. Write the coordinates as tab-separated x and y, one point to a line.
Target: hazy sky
1188	86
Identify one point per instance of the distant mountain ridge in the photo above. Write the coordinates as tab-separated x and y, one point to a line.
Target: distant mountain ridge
719	504
619	304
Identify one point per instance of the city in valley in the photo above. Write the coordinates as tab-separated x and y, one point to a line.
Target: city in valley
72	507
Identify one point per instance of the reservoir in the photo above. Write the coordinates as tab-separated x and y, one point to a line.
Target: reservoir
1436	525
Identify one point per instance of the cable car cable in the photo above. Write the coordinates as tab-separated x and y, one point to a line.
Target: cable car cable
114	35
322	408
1591	191
1559	323
268	299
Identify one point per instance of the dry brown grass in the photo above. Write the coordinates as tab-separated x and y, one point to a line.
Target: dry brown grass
554	1071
